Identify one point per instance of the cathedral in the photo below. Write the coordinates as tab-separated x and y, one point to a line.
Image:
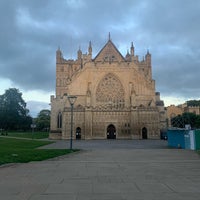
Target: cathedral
116	97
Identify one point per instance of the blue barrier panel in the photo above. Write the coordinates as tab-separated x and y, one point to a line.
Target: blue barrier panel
197	139
187	141
176	138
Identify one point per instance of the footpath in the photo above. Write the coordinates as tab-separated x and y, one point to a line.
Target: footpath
106	174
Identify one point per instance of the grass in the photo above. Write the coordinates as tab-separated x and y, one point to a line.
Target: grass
23	151
31	135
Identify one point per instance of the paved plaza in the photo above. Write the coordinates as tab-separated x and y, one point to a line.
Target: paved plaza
106	170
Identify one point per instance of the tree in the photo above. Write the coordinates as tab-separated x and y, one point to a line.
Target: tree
186	118
197	122
43	120
193	103
13	111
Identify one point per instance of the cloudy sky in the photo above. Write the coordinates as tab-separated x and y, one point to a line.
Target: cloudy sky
32	30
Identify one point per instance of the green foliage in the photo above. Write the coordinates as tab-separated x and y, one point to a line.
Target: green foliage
31	135
43	120
193	103
13	111
22	151
186	118
197	121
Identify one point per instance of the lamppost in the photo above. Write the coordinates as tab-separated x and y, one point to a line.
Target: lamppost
71	100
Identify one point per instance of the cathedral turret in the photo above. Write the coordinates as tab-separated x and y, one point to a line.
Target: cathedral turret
59	56
128	57
90	49
132	49
79	54
148	62
148	58
109	38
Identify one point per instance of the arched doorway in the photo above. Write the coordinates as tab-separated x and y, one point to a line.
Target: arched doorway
78	133
144	133
111	132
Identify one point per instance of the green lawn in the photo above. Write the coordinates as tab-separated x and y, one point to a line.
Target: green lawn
22	151
32	135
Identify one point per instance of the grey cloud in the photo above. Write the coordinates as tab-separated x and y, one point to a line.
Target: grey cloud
31	31
36	106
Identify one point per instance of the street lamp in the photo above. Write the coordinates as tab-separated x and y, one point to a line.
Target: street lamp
71	100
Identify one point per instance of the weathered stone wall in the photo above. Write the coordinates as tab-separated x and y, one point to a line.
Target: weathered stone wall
111	90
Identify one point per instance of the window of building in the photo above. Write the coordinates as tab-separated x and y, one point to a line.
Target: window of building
59	120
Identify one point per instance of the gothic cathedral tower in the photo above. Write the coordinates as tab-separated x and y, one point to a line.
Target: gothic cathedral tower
116	96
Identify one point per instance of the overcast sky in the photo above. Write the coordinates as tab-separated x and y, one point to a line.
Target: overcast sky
32	30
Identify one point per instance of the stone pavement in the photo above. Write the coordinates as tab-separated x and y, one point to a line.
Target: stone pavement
110	144
106	174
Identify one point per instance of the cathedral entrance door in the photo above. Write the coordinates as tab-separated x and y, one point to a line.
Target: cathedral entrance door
144	133
111	132
78	133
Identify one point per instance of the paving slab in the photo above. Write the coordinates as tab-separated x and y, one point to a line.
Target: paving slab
105	174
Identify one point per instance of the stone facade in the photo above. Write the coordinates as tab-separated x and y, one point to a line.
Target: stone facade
173	111
116	96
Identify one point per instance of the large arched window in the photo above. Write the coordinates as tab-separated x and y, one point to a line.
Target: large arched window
110	89
59	120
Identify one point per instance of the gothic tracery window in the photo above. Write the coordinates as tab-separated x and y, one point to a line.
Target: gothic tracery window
59	120
110	90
